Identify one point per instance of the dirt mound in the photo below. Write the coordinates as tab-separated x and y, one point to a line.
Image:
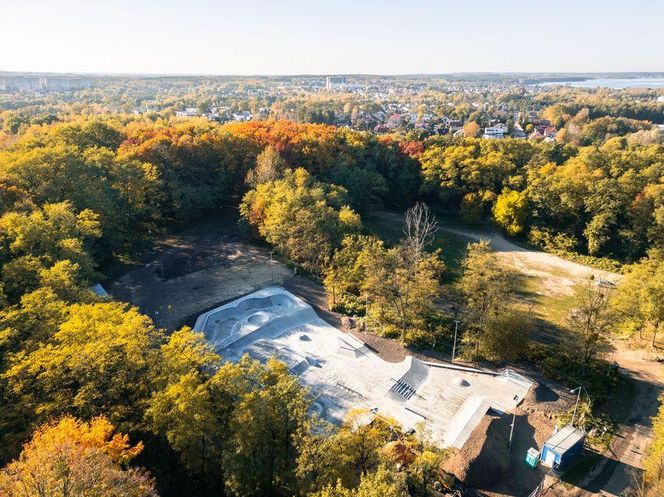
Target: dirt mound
485	463
462	462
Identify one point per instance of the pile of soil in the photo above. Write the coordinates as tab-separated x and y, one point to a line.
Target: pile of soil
485	463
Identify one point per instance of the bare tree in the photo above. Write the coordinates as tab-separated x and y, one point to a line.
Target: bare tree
638	486
420	226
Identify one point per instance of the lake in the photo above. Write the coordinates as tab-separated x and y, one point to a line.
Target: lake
615	83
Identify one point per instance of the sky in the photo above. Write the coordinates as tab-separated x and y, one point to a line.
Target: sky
330	36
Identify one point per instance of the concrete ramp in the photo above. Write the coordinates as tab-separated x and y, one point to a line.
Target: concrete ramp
465	420
405	387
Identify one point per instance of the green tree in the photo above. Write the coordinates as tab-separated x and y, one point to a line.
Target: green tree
402	294
589	324
639	299
488	289
506	335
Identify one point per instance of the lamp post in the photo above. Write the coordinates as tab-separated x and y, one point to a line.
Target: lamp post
578	397
272	265
456	328
509	442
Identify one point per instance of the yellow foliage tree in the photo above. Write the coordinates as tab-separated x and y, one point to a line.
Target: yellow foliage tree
74	458
510	211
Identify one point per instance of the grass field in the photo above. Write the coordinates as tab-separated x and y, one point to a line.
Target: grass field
389	227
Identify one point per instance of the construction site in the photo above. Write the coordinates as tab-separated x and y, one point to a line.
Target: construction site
342	372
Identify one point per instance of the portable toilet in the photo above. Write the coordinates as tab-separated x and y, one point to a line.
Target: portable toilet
562	446
532	457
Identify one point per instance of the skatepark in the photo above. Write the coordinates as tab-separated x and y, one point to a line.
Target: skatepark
343	373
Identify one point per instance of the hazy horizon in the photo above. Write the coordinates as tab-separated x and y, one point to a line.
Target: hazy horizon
294	37
359	75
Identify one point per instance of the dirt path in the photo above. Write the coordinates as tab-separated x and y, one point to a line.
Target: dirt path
554	279
615	472
560	274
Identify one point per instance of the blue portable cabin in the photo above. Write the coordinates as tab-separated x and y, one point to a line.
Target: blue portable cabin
562	446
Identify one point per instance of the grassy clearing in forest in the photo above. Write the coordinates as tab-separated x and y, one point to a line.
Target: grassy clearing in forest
388	226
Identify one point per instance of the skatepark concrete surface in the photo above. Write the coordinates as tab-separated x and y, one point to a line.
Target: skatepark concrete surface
342	373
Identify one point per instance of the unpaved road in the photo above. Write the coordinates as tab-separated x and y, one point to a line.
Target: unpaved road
558	274
626	452
614	474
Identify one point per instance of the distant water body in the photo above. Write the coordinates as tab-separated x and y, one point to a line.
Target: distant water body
617	84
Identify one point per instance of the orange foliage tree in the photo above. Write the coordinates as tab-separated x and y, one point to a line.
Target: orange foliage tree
74	458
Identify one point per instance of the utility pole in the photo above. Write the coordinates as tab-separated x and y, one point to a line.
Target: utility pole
509	442
456	329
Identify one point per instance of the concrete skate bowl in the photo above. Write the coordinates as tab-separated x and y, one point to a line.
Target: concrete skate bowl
259	318
405	387
282	301
229	323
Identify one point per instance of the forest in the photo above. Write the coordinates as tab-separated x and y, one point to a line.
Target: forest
94	386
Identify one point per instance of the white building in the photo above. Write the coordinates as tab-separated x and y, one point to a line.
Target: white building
495	132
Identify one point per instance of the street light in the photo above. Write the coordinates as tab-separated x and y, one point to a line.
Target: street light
509	442
456	328
578	397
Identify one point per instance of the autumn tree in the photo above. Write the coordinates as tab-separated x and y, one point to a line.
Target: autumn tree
348	270
381	483
269	414
302	217
345	454
510	211
653	462
183	409
101	360
33	243
471	129
269	167
639	299
70	457
589	324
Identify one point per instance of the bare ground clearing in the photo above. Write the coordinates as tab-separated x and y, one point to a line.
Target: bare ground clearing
196	269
